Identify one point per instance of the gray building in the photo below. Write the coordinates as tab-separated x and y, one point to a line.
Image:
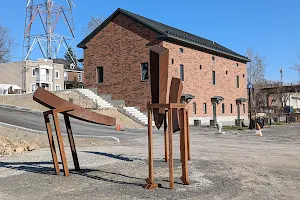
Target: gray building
30	74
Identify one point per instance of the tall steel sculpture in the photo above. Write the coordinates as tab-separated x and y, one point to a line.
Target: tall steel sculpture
59	105
173	114
49	39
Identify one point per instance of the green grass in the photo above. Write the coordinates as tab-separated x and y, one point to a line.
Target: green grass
279	123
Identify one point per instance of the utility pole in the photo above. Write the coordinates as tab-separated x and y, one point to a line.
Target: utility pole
281	75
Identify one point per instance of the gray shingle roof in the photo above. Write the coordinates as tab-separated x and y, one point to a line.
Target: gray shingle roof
170	33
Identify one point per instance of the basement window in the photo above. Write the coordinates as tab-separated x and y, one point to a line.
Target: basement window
180	50
172	61
99	74
144	71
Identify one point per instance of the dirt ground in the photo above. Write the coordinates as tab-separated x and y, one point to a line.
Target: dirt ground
230	166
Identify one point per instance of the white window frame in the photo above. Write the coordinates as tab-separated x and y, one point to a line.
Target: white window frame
79	75
33	70
35	87
58	86
55	74
66	78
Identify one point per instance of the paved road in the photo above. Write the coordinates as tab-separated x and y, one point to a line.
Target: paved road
35	121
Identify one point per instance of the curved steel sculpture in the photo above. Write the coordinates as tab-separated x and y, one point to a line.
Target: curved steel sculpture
68	109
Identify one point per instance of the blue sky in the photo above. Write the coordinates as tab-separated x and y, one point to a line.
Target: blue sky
270	27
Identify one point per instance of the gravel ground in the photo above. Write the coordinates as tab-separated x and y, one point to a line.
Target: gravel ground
226	166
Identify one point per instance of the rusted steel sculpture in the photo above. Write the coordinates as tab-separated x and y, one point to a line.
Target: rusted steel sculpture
172	108
59	105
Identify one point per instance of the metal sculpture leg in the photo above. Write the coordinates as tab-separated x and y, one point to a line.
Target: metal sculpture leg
166	139
184	148
188	134
60	143
150	179
171	165
51	141
72	143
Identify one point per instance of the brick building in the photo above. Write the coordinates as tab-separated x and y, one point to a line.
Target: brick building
116	57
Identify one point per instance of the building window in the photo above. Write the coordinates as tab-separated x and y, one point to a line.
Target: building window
172	61
180	50
243	75
66	76
200	67
223	108
80	77
99	74
214	78
204	108
244	109
33	72
56	74
237	81
237	64
231	108
194	108
182	72
213	58
57	87
72	66
144	71
226	72
33	87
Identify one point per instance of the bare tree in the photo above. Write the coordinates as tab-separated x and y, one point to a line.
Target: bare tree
256	68
6	44
296	66
92	25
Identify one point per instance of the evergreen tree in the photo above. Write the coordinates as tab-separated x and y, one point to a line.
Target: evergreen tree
69	55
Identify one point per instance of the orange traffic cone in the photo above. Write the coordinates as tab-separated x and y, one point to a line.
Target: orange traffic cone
118	127
258	130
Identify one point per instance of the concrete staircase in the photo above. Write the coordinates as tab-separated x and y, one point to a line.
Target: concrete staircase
139	117
131	112
91	95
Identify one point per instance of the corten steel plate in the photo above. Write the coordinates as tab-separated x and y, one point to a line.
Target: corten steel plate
174	97
52	101
159	61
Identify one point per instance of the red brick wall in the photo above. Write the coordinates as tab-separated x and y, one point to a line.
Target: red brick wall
71	76
198	82
120	48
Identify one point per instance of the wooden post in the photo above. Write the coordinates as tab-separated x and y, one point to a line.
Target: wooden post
166	139
51	142
60	143
184	149
72	143
188	134
150	179
171	166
